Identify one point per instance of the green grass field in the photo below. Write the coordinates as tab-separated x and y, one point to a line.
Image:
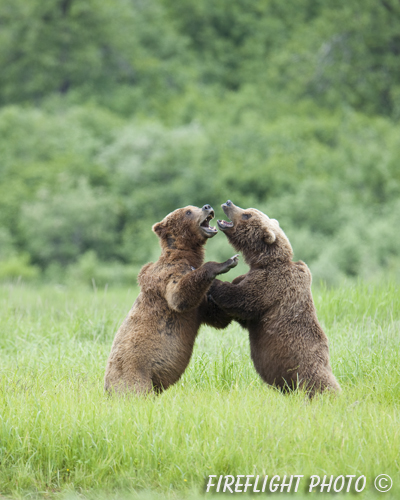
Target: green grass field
60	436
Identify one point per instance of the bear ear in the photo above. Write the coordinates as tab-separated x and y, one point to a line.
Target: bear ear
269	236
159	228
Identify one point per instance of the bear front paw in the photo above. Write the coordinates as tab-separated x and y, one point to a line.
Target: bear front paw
230	263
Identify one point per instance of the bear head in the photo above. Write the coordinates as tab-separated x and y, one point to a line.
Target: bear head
186	228
259	238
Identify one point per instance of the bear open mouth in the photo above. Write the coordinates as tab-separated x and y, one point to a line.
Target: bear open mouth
206	228
223	224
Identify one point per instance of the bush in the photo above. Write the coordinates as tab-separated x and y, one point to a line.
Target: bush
18	267
88	270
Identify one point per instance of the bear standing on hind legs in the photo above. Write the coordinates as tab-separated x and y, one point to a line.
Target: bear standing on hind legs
154	344
274	302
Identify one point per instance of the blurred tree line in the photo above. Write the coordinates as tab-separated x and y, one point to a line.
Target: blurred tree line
114	113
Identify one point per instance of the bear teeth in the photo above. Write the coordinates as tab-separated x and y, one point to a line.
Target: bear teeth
205	222
225	224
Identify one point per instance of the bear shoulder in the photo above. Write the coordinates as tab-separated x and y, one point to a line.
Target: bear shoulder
155	277
143	272
302	267
302	273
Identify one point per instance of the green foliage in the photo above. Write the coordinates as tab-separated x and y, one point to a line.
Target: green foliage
78	46
86	180
115	113
14	265
233	41
89	270
18	267
348	54
133	56
60	226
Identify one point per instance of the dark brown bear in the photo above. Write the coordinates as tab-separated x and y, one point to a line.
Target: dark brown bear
153	346
274	302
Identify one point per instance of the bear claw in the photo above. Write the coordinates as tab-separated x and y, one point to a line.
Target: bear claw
234	261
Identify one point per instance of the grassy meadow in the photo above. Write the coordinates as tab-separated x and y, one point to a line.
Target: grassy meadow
61	437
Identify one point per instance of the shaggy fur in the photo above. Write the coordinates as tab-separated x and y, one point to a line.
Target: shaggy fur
153	346
274	302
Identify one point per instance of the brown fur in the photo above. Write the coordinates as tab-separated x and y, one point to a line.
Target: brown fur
153	346
274	302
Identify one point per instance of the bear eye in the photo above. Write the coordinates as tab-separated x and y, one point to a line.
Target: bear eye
189	212
246	216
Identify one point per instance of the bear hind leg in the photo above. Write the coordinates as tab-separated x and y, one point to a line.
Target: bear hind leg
137	383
